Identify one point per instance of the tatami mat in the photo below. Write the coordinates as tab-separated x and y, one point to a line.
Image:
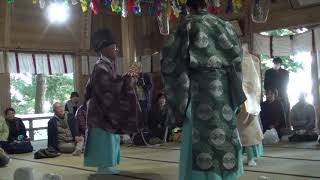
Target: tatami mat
282	162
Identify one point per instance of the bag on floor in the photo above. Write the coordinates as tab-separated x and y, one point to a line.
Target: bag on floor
271	137
46	153
140	139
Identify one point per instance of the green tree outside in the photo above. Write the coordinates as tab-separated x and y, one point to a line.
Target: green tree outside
58	88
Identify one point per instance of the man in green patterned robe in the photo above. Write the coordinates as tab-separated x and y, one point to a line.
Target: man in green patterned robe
201	68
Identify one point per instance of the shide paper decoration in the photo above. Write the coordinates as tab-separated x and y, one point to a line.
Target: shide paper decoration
166	11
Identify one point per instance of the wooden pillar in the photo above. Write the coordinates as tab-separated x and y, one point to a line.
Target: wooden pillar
5	99
128	40
315	78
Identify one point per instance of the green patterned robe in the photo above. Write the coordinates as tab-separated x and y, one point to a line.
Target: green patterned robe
201	68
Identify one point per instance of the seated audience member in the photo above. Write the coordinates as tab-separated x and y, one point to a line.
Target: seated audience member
4	132
303	115
272	113
303	118
81	118
63	133
18	141
73	104
159	117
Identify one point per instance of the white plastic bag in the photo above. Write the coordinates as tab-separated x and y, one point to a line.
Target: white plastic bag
271	137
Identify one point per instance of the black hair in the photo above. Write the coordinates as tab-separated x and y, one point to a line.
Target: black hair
277	60
273	91
74	94
9	109
160	95
196	4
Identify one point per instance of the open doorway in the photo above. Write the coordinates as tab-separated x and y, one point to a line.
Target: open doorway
298	65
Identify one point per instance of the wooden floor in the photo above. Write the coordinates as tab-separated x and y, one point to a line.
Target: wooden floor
281	162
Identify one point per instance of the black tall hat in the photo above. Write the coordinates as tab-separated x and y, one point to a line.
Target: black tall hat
101	39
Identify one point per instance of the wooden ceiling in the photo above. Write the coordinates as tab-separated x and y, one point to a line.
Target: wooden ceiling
24	26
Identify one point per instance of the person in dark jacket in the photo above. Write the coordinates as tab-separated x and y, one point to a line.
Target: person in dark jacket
143	89
159	118
63	133
18	141
278	78
272	114
73	104
17	130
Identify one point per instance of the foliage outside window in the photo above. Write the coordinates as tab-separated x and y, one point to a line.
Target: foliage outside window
57	88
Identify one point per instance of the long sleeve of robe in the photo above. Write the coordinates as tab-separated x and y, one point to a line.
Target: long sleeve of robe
112	102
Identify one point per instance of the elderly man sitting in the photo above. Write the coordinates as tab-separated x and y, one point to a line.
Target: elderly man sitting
303	118
63	133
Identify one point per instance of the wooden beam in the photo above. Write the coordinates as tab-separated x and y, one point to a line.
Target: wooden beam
289	17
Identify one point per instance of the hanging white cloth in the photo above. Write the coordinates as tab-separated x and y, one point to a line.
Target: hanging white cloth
282	46
261	44
42	64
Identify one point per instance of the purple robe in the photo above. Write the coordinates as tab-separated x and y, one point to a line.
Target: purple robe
112	103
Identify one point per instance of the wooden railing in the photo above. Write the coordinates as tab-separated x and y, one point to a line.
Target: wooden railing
31	126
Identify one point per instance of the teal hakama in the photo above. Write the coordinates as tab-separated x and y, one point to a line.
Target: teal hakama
185	166
254	151
102	149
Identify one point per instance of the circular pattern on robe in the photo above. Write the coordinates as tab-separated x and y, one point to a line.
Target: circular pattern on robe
216	88
229	160
204	112
225	42
217	137
195	135
168	66
204	161
227	112
202	40
214	62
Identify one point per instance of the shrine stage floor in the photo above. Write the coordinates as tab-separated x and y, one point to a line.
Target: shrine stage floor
281	162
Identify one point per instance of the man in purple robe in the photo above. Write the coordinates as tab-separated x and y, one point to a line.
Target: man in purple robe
111	107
